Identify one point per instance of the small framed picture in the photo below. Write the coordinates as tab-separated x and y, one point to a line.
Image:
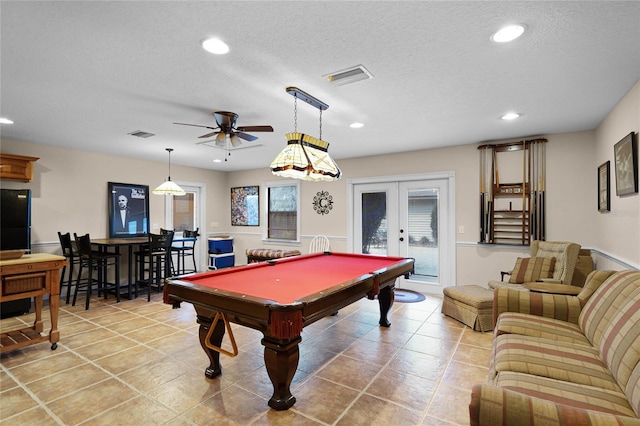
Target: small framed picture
626	157
604	190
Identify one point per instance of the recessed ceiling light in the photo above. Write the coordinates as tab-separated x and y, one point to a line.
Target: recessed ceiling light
356	125
508	33
215	45
5	121
510	116
217	160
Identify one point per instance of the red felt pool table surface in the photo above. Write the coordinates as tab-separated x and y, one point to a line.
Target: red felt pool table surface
288	280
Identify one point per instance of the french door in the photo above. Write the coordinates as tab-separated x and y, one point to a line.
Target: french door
410	216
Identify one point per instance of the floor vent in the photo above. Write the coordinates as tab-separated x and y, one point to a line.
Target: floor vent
349	75
141	134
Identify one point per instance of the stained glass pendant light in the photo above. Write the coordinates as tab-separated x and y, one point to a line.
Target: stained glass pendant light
305	157
169	187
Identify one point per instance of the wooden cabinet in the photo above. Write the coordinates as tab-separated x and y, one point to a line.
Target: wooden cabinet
32	275
17	167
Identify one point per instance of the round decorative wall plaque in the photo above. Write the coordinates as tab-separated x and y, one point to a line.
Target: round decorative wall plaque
322	202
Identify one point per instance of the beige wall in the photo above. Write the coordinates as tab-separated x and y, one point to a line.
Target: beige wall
69	194
618	232
69	190
569	196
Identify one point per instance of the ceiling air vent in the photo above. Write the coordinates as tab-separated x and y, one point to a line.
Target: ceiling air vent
141	134
349	75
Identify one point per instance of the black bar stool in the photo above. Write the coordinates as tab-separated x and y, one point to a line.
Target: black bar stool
72	256
97	261
186	248
155	260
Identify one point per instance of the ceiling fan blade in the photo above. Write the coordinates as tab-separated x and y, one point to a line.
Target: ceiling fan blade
255	129
197	125
245	136
208	135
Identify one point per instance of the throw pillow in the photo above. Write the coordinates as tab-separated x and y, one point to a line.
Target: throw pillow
529	269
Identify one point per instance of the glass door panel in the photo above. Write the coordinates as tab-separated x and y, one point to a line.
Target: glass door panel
375	217
422	232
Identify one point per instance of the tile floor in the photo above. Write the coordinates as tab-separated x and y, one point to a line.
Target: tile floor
140	363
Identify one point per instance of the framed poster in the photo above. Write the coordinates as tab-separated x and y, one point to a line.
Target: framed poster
128	210
245	206
625	153
604	188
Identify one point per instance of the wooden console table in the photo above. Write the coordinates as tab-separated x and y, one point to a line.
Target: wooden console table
32	275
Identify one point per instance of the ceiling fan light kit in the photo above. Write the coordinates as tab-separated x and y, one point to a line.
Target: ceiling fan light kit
226	135
305	157
169	187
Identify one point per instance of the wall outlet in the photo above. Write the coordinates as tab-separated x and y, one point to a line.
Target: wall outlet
155	226
461	229
213	225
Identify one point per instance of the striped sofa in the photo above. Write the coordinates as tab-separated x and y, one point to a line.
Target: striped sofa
565	360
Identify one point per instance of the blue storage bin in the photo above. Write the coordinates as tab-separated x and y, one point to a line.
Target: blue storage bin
220	245
219	261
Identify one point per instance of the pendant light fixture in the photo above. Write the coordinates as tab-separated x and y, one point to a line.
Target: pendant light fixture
169	187
305	157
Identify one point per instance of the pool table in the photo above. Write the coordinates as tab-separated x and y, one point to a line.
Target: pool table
279	298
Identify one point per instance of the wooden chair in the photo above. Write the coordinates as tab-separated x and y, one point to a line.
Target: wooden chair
72	256
95	261
155	260
319	244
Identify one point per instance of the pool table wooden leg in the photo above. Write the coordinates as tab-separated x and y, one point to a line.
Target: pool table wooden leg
214	369
281	360
385	300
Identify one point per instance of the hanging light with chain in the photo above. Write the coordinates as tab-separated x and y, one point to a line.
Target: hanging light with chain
305	157
169	187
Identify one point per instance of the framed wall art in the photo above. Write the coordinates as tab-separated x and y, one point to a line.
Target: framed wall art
625	153
604	188
128	210
245	206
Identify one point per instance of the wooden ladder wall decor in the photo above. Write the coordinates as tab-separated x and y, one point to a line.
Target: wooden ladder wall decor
512	213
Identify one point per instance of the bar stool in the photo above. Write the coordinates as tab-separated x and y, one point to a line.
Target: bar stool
95	261
155	260
72	256
186	248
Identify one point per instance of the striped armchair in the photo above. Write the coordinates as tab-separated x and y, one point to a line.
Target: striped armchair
565	360
566	257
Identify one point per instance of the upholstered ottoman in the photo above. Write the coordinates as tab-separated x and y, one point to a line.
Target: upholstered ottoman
471	305
260	255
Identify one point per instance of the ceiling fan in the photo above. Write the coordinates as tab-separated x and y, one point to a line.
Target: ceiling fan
226	132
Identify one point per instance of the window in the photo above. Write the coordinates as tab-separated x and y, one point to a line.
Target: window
282	207
184	208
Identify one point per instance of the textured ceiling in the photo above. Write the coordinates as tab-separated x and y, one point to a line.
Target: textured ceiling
85	74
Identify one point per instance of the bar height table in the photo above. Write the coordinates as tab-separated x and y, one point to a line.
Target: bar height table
105	244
